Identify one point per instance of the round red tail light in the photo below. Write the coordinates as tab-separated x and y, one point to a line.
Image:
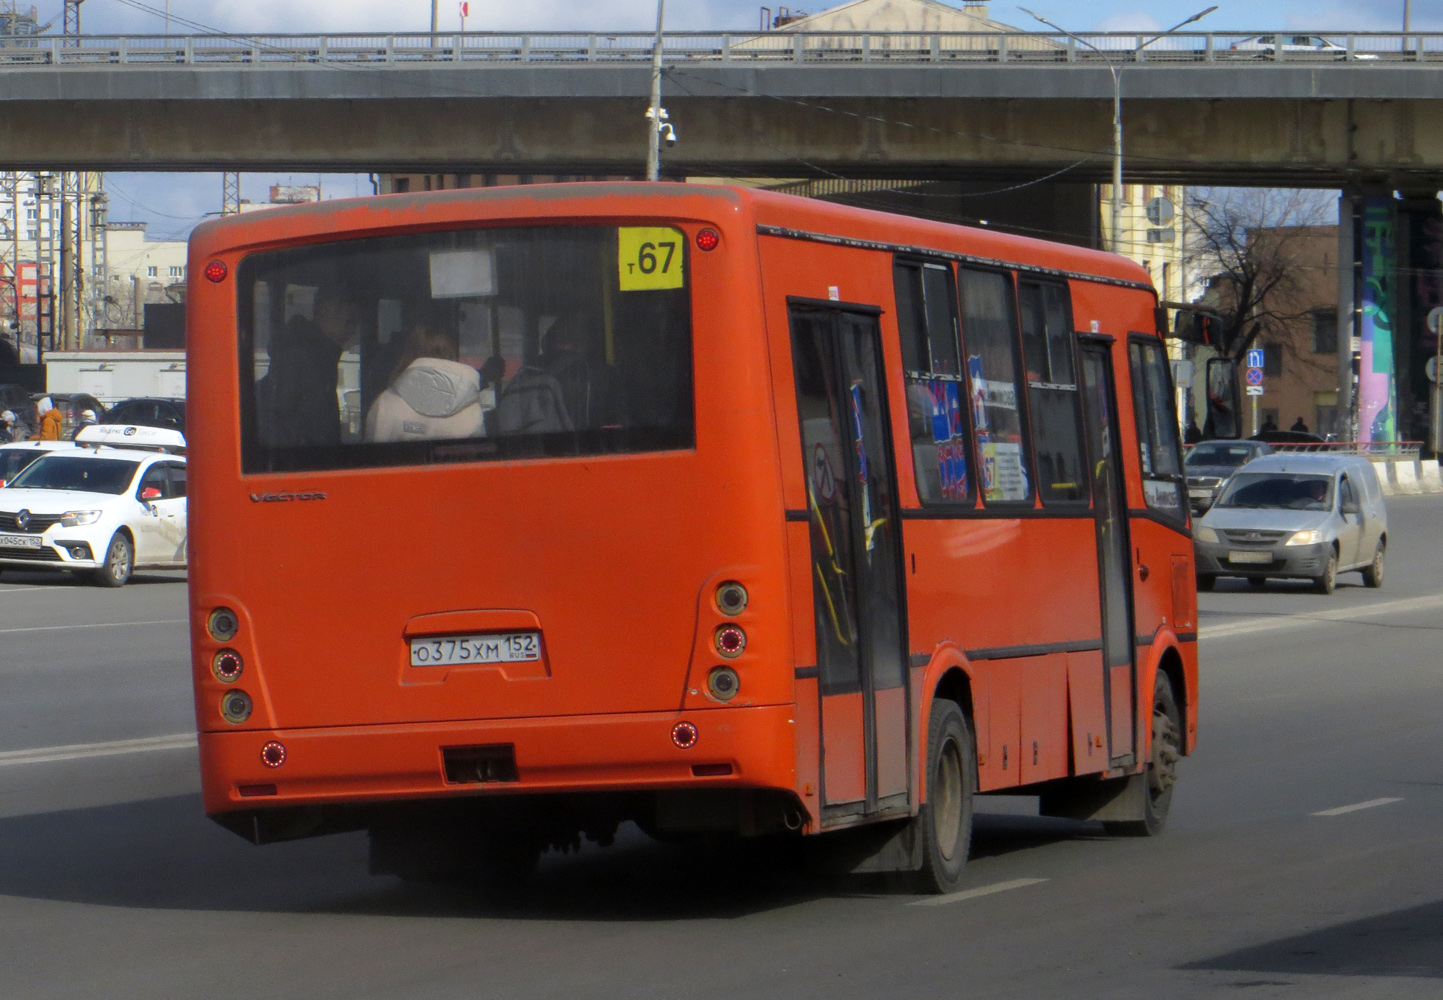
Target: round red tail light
708	240
684	735
227	666
216	271
730	641
273	754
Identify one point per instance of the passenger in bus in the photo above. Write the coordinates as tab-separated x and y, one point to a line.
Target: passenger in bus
433	395
296	401
589	387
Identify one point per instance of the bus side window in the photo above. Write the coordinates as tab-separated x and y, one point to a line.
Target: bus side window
1159	449
989	327
931	358
1052	391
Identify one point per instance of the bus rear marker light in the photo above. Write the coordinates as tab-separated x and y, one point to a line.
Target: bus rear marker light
223	625
684	735
708	240
731	641
227	666
236	707
273	754
216	271
731	598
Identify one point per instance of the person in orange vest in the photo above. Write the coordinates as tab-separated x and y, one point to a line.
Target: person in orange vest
52	421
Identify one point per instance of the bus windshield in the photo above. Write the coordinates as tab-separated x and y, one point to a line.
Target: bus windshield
466	345
1292	491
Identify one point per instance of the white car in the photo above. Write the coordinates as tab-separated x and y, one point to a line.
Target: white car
101	510
1300	45
16	456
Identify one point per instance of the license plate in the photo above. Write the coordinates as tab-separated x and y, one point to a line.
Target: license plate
1200	494
494	647
20	542
1250	557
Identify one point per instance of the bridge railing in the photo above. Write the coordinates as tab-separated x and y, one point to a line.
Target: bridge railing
418	49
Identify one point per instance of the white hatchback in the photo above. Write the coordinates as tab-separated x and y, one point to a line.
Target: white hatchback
101	510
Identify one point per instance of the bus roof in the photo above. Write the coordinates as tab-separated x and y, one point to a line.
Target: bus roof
805	217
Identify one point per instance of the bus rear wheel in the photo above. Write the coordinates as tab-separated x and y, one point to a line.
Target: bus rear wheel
1161	774
945	819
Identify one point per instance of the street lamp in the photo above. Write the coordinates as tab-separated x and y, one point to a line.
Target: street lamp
1116	72
656	123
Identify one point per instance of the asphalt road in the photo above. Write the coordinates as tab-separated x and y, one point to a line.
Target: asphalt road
113	884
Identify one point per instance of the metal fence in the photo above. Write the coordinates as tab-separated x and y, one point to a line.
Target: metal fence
1357	49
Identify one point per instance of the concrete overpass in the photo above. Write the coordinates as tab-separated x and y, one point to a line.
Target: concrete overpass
1206	107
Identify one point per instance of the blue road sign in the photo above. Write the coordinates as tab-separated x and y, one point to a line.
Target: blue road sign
1255	357
1255	376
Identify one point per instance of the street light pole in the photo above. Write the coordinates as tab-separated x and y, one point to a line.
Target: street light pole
434	20
655	114
1116	71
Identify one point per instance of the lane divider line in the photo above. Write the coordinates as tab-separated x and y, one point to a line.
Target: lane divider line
1338	615
985	890
1370	804
79	751
66	628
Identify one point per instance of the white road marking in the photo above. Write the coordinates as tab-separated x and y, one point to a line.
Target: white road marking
64	628
1338	614
47	755
986	890
1370	804
21	590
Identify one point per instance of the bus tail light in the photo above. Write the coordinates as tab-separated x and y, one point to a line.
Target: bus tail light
722	683
708	240
227	666
236	707
216	271
731	598
684	735
223	624
273	754
731	641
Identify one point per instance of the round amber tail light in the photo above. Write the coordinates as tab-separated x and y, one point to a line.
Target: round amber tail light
236	707
731	598
722	683
223	624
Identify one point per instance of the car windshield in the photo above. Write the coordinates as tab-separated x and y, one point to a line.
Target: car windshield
1286	490
80	474
1227	455
12	460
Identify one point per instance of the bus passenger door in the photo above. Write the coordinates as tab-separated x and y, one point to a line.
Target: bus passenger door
856	551
1113	552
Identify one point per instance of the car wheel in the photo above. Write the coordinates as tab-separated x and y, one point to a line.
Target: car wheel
1325	582
119	563
1206	581
945	819
1373	575
1258	581
1161	764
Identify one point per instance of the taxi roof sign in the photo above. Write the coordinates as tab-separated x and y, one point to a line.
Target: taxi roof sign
131	436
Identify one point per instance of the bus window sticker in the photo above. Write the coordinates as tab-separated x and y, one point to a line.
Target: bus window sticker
650	258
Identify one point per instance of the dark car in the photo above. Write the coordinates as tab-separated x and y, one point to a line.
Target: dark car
1287	437
144	412
1209	464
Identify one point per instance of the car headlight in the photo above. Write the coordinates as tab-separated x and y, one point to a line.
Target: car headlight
77	518
1310	537
1206	534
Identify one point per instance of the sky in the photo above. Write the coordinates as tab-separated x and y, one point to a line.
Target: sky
173	203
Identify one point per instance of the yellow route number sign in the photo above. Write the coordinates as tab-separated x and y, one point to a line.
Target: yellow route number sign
650	258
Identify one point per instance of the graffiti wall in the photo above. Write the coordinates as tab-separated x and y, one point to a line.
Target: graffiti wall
1377	393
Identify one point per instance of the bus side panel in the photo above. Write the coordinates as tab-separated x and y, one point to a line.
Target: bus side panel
1086	715
1043	751
1004	711
808	746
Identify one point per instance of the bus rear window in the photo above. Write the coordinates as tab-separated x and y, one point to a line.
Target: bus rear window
468	345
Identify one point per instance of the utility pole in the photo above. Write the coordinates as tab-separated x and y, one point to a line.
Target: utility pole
1116	71
230	193
435	24
70	26
655	113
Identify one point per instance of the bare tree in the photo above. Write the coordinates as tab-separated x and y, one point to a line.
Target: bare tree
1249	245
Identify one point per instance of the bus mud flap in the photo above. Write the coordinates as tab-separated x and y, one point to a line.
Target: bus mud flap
1108	800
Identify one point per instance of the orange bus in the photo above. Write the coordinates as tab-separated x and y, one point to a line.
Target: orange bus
518	513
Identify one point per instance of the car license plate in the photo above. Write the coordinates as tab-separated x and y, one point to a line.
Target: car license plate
1200	494
20	542
495	647
1250	557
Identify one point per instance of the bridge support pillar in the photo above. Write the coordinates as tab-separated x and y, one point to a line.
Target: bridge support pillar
1420	290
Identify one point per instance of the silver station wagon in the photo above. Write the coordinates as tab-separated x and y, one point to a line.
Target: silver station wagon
1305	516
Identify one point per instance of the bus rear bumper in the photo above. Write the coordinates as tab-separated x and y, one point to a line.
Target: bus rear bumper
733	747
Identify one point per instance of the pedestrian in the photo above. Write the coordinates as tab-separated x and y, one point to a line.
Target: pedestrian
1268	425
87	419
1298	425
1194	433
7	427
52	421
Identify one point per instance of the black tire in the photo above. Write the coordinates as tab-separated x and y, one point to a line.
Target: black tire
1257	581
1206	581
1373	575
1327	581
119	563
1161	773
945	819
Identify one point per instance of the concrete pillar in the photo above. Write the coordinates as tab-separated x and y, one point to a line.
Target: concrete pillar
1377	387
